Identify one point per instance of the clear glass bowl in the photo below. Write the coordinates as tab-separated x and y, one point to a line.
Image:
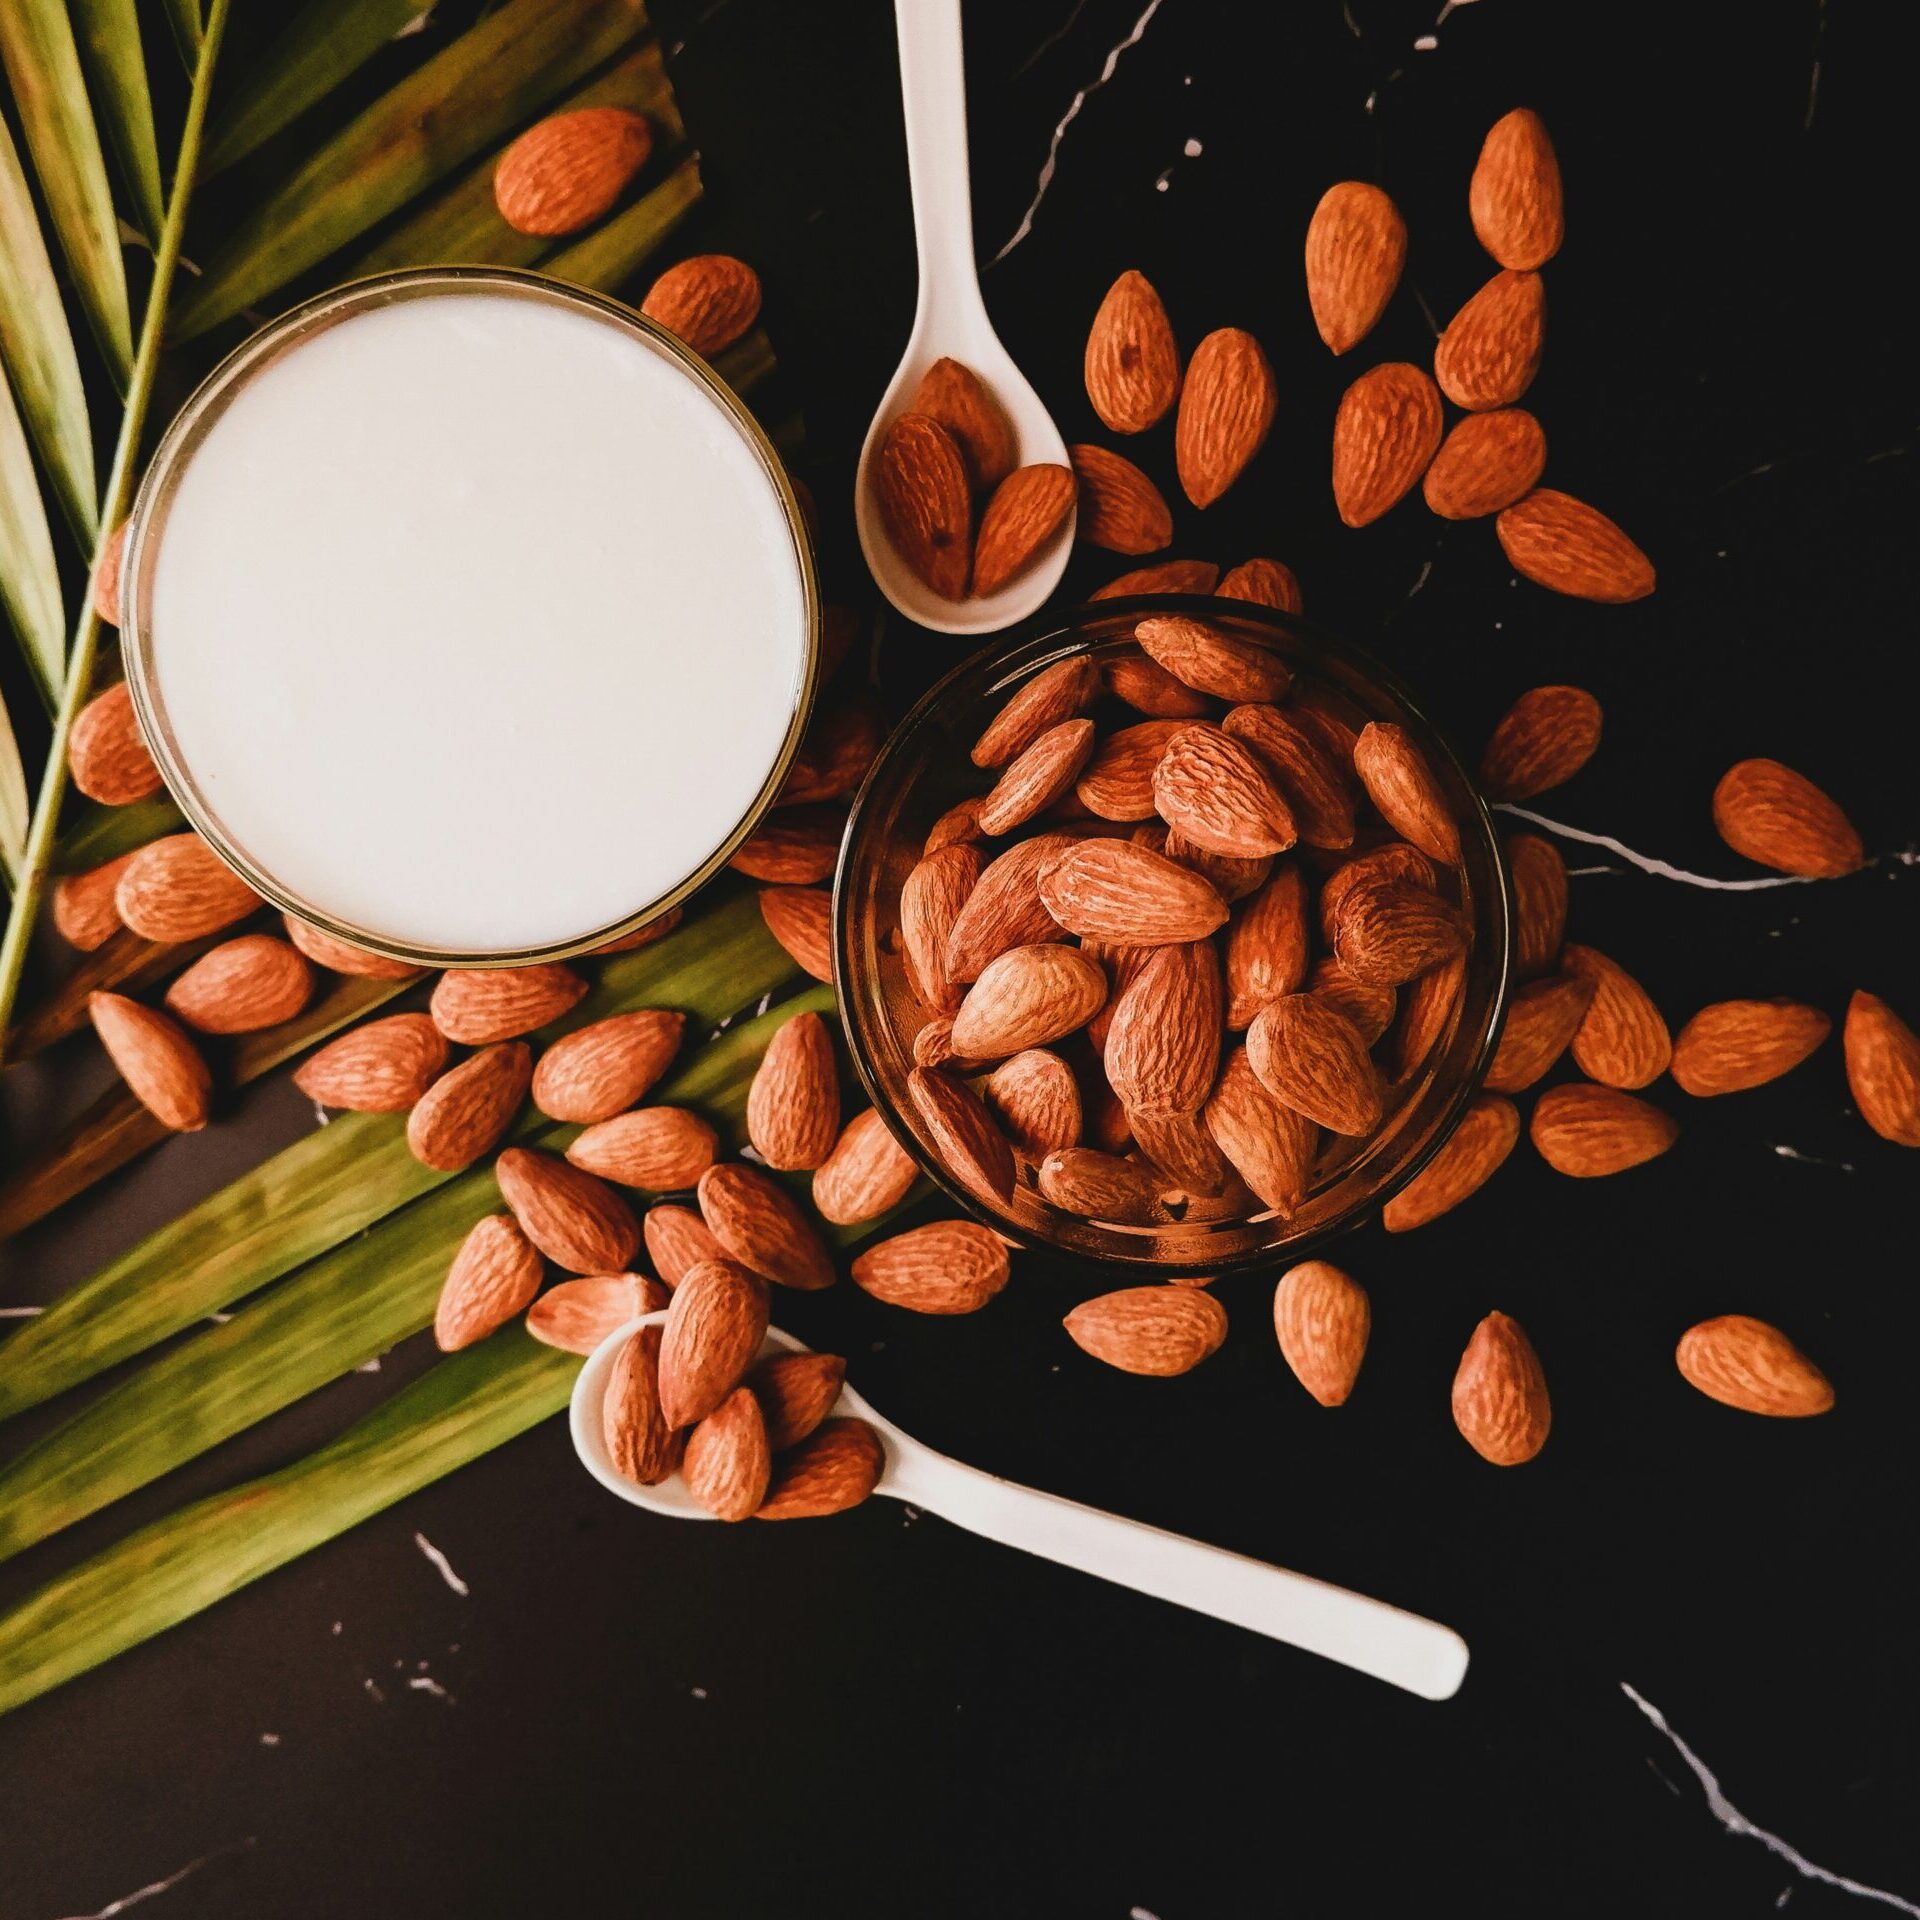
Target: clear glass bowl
925	769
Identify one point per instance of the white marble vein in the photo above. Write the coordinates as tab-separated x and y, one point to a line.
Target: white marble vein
1741	1827
441	1565
1646	862
156	1887
1811	1159
20	1313
1053	39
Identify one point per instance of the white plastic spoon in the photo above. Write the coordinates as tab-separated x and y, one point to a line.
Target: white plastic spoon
1368	1635
950	322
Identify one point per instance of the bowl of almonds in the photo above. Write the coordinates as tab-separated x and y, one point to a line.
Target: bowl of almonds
1173	936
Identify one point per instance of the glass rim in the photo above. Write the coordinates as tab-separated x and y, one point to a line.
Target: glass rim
196	419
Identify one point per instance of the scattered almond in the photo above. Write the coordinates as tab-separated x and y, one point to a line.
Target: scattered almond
242	985
493	1277
476	1006
1748	1364
466	1113
1500	1399
1266	583
382	1067
1170	576
1539	878
841	742
1158	1331
639	1441
1542	741
1132	361
763	1227
1356	247
1883	1069
795	847
1542	1019
1736	1044
1385	433
1471	1155
602	1069
1590	1131
342	956
570	169
84	910
578	1315
179	889
657	1149
1515	198
1768	813
1487	462
577	1221
160	1064
677	1241
793	1105
1321	1318
1563	544
1622	1041
1492	347
867	1174
1226	411
801	919
950	1266
708	301
107	753
107	568
1120	508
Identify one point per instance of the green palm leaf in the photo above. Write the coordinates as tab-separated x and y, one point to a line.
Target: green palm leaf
13	800
110	34
30	577
189	28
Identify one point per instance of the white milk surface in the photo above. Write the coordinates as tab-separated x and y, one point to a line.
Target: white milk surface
476	622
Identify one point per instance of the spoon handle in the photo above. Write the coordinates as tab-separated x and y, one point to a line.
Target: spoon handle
933	92
1368	1635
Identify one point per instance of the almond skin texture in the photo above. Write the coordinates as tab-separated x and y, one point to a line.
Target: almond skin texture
1027	997
657	1149
1004	908
1101	1186
479	1005
1539	878
1356	247
1542	1019
1226	411
1748	1364
955	397
1232	875
958	825
1132	360
342	956
160	1064
107	568
1592	1131
677	1241
242	985
83	904
1542	741
710	1337
796	1392
1487	462
793	1105
179	889
107	754
1318	790
796	847
1622	1042
921	486
1369	1007
603	1069
467	1112
1768	813
1514	198
1401	785
708	301
931	901
1426	1012
493	1277
1565	545
1036	1100
867	1172
383	1067
963	1133
1387	932
578	1222
1147	687
1387	429
1883	1069
1492	347
1321	1318
1188	1157
1118	891
728	1462
1312	1058
1500	1399
1158	1331
1118	781
1028	508
1473	1153
639	1442
1170	576
1266	583
1163	1048
1736	1044
1210	661
1217	792
1393	861
835	1467
1036	779
763	1227
1120	508
577	1315
570	169
950	1266
801	919
1057	693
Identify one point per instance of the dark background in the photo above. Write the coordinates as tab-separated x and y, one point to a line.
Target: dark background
880	1715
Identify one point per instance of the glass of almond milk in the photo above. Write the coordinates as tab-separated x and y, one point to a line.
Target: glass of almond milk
470	617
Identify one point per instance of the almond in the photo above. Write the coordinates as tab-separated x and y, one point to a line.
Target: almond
1170	576
728	1462
794	847
1469	1157
1487	462
1317	788
1385	432
1028	508
1768	813
179	889
796	1391
841	742
1231	875
1590	1131
1327	717
793	1105
1748	1364
1387	932
383	1067
763	1227
1426	1015
868	1173
1148	687
467	1112
1132	360
1163	1048
921	486
1217	791
801	919
1210	661
1622	1041
1101	1186
657	928
1356	247
83	904
1542	741
1004	909
1392	861
1883	1069
677	1241
161	1066
107	568
602	1069
639	1442
342	956
1159	1331
836	1467
962	1132
1563	544
1036	778
1123	965
1036	1100
578	1222
1500	1399
710	1337
1120	508
1270	1145
1491	349
577	1315
1266	583
951	1266
1056	694
493	1276
1267	946
1539	878
708	301
933	1043
1369	1006
1736	1044
1312	1058
931	901
242	985
1027	997
959	824
657	1149
955	397
1226	410
1118	891
570	169
1514	197
1186	1154
107	753
478	1005
1542	1019
1118	781
1401	785
1321	1318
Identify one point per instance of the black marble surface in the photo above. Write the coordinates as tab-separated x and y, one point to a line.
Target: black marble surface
882	1716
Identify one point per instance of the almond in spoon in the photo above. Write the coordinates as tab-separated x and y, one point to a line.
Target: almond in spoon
728	1463
920	484
1028	508
954	396
710	1337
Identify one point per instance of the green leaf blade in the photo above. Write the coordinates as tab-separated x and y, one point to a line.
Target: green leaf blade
109	32
29	573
